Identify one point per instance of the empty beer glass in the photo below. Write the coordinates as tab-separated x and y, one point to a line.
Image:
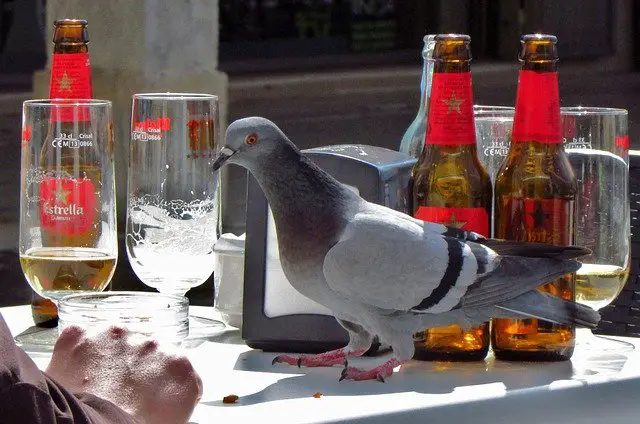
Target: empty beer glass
173	197
493	134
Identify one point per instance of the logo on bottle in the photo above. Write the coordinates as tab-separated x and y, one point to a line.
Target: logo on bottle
451	110
468	219
67	206
70	79
548	221
150	129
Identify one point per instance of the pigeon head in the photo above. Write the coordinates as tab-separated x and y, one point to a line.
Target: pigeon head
249	138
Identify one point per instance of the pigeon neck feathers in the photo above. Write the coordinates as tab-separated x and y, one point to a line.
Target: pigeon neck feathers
310	218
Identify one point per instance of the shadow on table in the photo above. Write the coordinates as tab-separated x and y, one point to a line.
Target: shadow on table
437	378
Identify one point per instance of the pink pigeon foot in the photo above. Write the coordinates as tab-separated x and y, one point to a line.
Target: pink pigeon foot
326	359
378	373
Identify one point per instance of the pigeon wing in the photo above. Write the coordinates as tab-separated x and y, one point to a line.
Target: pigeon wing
394	263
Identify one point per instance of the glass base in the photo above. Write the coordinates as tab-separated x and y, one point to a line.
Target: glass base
202	328
37	339
587	342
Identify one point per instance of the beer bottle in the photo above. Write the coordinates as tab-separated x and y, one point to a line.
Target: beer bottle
450	185
413	138
70	79
535	194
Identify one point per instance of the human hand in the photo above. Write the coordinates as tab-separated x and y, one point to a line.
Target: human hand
133	373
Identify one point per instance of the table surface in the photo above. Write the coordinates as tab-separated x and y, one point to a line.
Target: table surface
591	388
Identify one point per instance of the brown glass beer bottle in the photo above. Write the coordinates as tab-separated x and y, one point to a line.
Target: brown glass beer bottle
70	79
450	185
535	192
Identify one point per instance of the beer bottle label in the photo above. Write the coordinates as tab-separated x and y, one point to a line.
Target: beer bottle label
537	116
539	220
70	79
451	110
67	206
468	219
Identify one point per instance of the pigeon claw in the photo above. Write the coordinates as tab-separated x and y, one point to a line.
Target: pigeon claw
379	373
286	359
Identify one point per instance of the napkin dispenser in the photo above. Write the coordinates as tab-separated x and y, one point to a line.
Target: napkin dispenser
275	316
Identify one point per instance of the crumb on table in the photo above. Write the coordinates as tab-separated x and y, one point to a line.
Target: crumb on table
230	399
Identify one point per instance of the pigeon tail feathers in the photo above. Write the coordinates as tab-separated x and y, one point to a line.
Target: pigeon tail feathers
534	250
513	277
548	307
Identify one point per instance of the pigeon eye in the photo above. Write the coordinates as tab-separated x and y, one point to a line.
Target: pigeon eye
251	139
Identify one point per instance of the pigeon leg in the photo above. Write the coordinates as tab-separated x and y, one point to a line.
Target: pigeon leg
359	342
326	359
378	373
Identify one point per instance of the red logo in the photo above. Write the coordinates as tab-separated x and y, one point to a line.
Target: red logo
67	206
26	135
623	142
153	125
451	110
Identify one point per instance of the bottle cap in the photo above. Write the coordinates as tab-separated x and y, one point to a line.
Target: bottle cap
70	31
538	48
452	47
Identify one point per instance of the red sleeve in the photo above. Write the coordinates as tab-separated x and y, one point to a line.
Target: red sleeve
27	395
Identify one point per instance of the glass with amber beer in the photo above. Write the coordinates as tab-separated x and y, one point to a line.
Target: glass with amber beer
68	239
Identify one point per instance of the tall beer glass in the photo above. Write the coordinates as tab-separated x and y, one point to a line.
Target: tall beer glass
68	240
597	144
173	196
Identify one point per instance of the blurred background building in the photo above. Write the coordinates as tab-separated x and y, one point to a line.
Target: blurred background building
342	71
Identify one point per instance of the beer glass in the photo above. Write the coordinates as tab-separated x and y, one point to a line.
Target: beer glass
493	132
493	136
68	240
173	197
596	141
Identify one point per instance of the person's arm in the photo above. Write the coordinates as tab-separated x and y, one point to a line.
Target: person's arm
27	395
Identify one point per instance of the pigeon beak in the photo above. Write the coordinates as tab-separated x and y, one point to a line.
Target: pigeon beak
223	156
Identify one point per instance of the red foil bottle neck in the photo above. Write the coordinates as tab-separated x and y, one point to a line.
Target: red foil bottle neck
70	79
537	115
451	110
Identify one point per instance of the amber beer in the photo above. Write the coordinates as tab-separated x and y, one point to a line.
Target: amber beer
68	207
57	270
450	185
535	194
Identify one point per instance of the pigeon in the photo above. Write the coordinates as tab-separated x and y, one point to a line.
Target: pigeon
382	272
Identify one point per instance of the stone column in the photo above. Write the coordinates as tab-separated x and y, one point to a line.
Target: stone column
141	46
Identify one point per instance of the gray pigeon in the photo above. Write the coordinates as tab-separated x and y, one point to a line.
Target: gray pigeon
382	272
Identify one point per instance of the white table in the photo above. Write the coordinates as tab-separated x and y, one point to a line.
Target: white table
601	388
